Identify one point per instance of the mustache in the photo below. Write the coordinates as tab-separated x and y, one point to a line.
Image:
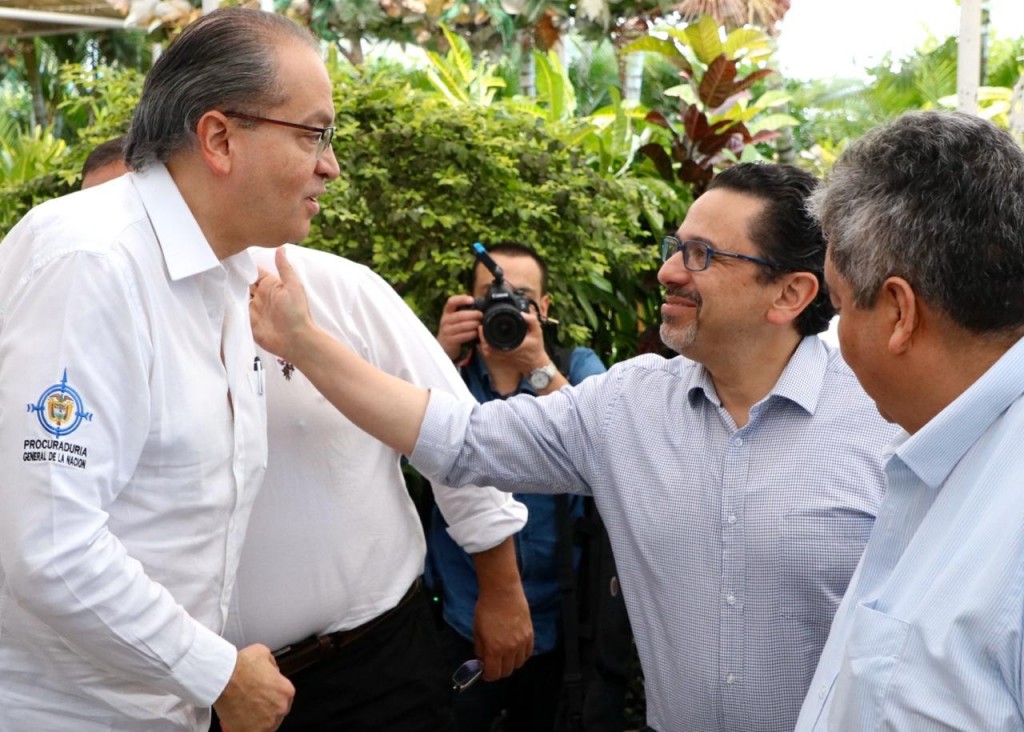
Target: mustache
681	292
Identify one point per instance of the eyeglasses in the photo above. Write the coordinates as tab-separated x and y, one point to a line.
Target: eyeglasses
697	254
322	143
467	674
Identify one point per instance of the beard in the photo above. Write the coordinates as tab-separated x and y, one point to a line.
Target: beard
677	335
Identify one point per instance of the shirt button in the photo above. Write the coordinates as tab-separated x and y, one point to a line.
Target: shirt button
732	518
730	679
738	441
731	599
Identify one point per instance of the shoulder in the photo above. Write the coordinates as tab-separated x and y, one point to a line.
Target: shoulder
651	364
90	220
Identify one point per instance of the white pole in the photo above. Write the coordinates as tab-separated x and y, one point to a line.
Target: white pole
968	64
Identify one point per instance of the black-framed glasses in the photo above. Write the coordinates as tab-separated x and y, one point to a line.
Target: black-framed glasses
322	143
697	255
467	674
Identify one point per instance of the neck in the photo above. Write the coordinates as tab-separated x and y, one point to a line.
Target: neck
743	377
505	378
942	371
206	203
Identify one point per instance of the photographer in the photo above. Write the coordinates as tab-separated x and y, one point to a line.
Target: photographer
531	694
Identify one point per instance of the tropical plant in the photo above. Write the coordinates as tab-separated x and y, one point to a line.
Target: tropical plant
719	120
458	77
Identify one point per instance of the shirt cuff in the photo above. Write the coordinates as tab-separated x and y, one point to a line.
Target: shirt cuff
204	671
442	433
486	529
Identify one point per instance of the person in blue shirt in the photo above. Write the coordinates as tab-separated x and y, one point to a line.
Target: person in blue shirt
531	694
925	224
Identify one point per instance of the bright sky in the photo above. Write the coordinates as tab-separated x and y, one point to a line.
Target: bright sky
821	38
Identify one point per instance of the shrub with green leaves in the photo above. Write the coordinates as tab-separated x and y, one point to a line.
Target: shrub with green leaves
422	180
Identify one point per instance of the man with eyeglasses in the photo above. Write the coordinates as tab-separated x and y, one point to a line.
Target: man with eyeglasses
133	436
738	483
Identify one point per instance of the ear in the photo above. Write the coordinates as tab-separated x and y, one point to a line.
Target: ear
215	140
796	291
901	312
544	303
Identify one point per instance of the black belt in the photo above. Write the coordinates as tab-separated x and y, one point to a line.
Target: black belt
296	657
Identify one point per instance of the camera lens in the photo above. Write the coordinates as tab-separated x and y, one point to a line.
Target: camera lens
504	327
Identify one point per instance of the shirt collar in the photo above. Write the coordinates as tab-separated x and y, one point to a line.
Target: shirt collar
800	382
185	249
934	450
479	368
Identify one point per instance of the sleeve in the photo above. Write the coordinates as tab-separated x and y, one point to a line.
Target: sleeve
548	444
73	342
395	340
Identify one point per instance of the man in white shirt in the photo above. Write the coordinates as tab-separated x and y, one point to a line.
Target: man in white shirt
329	574
132	427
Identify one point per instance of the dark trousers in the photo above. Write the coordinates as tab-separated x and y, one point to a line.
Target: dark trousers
392	679
529	696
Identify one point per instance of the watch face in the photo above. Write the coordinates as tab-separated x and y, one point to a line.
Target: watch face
539	378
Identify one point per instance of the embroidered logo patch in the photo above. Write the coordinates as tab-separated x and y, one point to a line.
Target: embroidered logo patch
60	409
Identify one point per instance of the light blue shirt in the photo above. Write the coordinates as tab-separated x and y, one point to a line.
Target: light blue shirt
929	636
734	546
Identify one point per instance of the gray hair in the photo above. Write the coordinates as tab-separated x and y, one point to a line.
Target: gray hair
225	60
936	198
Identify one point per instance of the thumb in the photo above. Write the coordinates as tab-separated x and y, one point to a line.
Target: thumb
284	267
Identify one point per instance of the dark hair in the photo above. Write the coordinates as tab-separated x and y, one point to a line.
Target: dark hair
785	232
936	198
225	60
111	151
513	249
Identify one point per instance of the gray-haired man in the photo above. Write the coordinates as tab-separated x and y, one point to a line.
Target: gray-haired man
133	435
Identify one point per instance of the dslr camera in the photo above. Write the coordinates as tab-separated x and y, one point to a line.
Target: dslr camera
503	325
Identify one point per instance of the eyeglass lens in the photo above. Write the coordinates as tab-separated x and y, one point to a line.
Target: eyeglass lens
695	253
467	674
325	141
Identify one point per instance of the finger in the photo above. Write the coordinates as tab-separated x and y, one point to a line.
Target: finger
455	301
284	267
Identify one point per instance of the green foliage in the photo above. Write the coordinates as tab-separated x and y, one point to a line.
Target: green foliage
458	77
834	111
36	166
423	179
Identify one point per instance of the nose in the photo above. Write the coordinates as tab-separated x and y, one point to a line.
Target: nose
327	165
673	272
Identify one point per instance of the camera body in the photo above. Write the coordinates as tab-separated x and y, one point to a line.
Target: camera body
503	325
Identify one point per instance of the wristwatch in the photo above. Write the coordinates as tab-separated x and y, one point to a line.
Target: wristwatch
540	378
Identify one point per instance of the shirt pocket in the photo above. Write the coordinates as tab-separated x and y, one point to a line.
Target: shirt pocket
874	650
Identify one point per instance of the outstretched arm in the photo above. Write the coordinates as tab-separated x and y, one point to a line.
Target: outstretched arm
380	404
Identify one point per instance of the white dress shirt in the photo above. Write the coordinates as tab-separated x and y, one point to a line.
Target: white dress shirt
131	454
335	539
